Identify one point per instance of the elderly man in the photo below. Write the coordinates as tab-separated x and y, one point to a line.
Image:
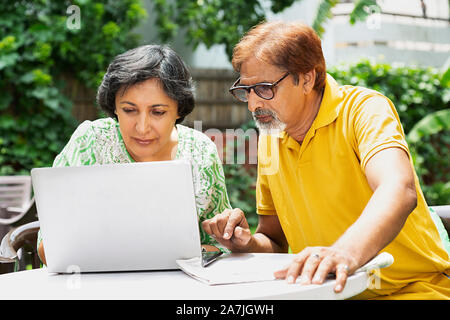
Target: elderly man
337	184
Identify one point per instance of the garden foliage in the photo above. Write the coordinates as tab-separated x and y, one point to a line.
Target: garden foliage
41	46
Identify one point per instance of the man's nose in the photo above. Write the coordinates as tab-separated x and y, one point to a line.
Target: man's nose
254	101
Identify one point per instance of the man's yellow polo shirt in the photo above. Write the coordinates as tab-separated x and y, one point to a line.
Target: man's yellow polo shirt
318	189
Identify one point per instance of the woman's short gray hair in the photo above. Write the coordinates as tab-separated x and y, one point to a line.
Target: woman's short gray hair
143	63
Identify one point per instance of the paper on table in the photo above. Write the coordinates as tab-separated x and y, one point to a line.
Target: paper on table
251	267
236	267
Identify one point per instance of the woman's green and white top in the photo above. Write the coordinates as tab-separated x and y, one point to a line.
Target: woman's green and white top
100	142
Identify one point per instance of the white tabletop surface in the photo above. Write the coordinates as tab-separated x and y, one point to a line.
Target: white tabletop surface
160	285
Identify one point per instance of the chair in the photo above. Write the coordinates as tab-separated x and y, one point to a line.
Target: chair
444	213
18	248
15	199
17	207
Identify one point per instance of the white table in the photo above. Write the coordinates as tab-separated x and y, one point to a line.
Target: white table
161	285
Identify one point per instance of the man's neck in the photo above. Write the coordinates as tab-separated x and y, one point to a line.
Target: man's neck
313	102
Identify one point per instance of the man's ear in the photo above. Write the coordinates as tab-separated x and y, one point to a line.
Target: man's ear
309	80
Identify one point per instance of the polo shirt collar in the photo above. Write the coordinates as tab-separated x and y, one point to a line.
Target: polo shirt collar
329	107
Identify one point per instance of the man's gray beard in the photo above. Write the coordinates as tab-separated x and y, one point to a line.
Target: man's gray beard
272	127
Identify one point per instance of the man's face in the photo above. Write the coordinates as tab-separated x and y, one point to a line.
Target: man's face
285	109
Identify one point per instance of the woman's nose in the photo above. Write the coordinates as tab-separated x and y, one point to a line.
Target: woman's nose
143	124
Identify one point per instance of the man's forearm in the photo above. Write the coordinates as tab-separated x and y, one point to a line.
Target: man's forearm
381	221
262	243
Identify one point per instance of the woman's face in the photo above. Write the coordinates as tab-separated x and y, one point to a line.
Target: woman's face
147	116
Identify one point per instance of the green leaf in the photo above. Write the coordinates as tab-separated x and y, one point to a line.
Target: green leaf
5	100
363	9
8	60
445	79
111	29
431	124
322	15
41	77
7	122
7	43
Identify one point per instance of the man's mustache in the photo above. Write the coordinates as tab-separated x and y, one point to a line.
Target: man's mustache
264	112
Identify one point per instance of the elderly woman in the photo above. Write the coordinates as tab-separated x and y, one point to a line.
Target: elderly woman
147	92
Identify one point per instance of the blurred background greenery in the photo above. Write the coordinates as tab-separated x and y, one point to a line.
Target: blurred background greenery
40	55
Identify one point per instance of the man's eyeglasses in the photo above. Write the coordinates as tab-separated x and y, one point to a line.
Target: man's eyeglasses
263	89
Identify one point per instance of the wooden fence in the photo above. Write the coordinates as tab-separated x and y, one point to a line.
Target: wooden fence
83	99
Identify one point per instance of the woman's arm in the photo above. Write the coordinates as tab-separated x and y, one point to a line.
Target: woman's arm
211	190
41	252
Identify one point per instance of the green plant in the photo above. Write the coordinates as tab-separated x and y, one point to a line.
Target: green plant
415	91
431	124
429	142
241	180
39	50
241	183
323	14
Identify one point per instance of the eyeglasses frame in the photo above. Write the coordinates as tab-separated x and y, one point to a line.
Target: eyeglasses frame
249	88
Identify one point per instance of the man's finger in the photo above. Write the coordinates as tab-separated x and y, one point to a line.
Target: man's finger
241	236
296	266
281	274
208	223
326	266
222	221
214	229
235	219
206	226
309	268
341	277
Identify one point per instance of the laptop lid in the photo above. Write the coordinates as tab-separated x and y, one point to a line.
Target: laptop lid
117	217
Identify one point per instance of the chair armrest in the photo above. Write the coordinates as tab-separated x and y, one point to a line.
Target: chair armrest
21	212
16	237
6	260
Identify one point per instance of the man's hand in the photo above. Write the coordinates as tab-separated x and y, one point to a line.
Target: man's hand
313	264
230	228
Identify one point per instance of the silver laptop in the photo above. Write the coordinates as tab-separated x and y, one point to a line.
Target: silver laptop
119	217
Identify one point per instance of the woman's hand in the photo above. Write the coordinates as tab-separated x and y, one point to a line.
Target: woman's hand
314	263
209	248
42	253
